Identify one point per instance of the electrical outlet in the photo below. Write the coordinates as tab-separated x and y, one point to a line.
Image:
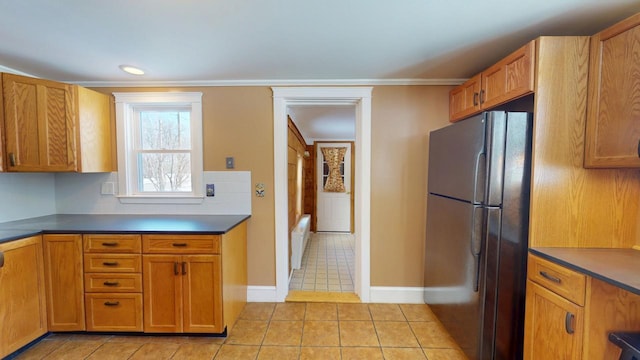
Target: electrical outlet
211	190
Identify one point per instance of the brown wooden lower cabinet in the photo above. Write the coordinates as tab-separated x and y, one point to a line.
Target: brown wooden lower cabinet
182	293
554	325
569	314
64	284
23	315
114	312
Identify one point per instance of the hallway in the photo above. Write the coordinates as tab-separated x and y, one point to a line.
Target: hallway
327	264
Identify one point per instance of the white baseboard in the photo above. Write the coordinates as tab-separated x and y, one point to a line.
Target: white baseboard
261	293
397	295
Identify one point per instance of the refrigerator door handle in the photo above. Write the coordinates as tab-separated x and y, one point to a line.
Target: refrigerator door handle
478	175
476	243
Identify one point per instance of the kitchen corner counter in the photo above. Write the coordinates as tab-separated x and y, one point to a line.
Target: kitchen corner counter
105	224
618	267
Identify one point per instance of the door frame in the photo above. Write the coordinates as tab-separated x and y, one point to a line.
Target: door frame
352	184
360	97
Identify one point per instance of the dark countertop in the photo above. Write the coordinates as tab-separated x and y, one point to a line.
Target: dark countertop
618	267
120	224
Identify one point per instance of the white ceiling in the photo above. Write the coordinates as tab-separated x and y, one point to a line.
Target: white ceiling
291	42
243	41
324	122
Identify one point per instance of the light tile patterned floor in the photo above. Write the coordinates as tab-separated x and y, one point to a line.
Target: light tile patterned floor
327	264
282	331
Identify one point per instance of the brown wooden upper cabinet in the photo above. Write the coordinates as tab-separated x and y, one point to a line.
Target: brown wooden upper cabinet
510	78
613	109
52	127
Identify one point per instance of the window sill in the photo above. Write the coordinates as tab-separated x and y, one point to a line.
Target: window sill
160	200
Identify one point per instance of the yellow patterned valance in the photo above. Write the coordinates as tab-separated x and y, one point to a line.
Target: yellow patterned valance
334	156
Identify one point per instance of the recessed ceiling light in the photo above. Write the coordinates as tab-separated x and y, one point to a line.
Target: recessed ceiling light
131	70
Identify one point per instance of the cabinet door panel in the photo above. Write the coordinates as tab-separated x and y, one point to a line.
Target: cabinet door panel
64	285
510	78
464	100
39	123
546	334
613	113
23	315
162	282
202	293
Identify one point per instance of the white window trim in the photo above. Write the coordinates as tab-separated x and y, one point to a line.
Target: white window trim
125	104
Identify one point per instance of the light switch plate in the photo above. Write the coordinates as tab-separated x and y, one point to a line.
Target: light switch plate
108	188
230	163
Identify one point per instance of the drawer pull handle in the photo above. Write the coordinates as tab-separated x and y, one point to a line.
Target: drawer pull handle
184	268
12	159
550	277
111	303
110	263
482	94
175	269
110	244
475	99
111	283
179	244
568	323
1	259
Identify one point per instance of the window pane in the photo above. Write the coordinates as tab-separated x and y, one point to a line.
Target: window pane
164	172
165	130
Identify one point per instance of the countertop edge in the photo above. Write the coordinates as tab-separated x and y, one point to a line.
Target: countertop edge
9	233
570	265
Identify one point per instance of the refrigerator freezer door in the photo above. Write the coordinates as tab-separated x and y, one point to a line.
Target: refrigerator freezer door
450	269
456	160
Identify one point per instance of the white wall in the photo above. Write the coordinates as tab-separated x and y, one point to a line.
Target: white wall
81	194
25	195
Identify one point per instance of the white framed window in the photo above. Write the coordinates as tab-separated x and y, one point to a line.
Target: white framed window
159	137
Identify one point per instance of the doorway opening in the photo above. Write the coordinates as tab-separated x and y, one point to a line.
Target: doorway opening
360	98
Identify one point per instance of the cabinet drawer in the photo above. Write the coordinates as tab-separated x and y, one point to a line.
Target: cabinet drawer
108	263
562	281
109	243
102	282
181	244
113	312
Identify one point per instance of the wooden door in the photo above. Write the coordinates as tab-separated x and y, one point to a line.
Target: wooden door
553	326
334	208
23	315
162	282
39	124
510	78
64	282
613	107
202	298
464	100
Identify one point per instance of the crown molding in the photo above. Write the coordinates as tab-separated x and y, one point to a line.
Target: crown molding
308	82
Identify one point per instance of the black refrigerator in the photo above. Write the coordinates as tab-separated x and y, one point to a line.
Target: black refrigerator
477	231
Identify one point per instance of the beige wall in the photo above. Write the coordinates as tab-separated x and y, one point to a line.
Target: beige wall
402	117
238	122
